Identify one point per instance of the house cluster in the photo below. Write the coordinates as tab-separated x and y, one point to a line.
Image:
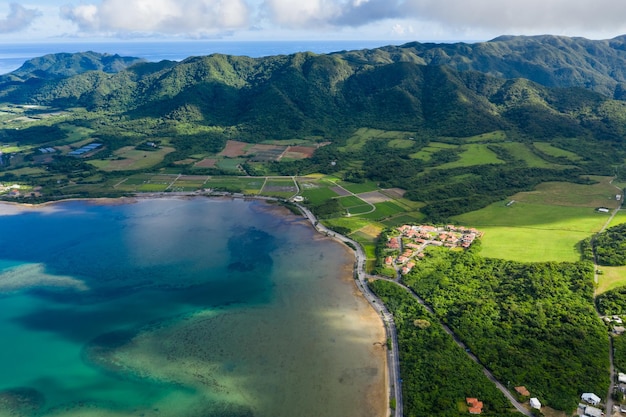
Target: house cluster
11	190
412	240
588	410
534	402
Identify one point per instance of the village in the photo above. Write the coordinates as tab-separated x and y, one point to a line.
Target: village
413	239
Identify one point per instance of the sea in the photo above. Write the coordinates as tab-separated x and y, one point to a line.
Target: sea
181	307
12	56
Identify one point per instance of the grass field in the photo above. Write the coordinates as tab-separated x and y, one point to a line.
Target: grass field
351	201
557	152
363	135
318	195
129	158
362	210
611	278
230	164
521	151
384	210
401	143
533	232
364	187
601	194
427	151
474	154
247	185
497	136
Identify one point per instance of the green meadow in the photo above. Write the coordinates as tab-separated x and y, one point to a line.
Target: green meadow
474	154
540	225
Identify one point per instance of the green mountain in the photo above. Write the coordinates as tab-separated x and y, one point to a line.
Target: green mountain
528	89
553	61
329	95
63	65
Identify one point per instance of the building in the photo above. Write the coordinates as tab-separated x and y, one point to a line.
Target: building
593	412
523	391
474	406
590	398
621	377
534	403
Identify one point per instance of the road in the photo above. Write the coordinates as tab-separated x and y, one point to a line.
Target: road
608	409
393	359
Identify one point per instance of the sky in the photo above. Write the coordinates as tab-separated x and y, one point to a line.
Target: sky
245	20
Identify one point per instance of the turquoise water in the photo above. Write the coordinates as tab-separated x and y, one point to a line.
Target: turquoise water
181	307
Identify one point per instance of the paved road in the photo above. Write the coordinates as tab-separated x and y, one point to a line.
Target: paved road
393	359
609	398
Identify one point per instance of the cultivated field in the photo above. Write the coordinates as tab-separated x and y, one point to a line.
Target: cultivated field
129	158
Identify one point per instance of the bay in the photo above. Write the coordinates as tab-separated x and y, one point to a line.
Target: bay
181	307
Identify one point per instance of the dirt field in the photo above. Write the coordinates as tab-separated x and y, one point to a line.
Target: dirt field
206	163
234	149
394	192
374	197
266	152
299	152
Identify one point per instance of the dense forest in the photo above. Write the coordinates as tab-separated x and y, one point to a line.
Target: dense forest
530	324
610	246
437	376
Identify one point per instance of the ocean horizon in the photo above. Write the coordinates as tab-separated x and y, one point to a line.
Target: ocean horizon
13	55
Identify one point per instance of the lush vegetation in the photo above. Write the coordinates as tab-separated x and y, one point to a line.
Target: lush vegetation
531	324
455	140
436	374
610	246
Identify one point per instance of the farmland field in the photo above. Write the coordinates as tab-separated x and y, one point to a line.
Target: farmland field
318	195
130	158
359	188
350	201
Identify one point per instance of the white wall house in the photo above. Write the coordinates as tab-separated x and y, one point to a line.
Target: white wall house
534	403
590	398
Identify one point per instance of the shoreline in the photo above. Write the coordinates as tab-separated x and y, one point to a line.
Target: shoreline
368	313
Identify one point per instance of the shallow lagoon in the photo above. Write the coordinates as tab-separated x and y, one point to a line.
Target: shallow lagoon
181	307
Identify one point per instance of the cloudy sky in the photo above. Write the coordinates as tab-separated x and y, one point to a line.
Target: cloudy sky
441	20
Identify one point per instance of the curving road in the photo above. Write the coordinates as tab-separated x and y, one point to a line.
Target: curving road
393	360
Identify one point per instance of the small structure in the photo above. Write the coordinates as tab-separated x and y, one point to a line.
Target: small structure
534	403
593	412
590	398
474	406
523	391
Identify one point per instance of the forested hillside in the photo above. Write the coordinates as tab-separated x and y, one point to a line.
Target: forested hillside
442	100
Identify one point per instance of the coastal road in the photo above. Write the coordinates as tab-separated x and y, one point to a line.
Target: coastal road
393	358
393	354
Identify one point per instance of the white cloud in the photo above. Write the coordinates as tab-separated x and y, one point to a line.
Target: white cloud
169	17
18	18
